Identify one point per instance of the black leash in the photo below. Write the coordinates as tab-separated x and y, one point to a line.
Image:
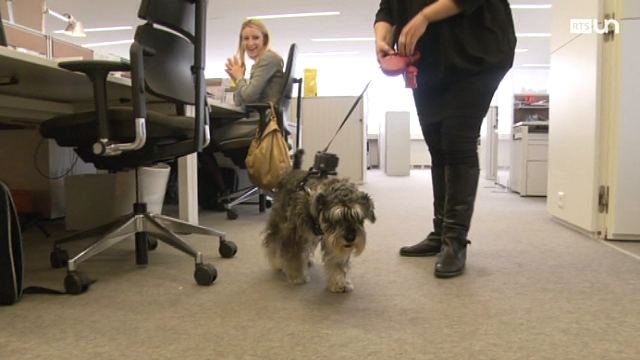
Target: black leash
302	186
348	114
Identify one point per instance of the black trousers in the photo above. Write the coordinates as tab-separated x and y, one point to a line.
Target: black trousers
453	141
451	114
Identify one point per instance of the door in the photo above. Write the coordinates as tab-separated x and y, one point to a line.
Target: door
620	192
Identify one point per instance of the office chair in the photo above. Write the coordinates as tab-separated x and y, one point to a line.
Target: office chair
234	138
165	64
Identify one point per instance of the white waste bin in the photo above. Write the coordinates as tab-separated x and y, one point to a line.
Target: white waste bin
153	185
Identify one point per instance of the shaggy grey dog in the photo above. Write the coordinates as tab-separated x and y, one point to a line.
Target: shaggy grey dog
309	210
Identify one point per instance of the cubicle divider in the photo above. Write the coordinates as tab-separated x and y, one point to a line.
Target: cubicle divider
35	42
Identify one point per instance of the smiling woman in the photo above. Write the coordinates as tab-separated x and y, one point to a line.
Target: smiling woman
266	78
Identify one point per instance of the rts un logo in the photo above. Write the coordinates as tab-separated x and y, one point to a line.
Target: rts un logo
587	26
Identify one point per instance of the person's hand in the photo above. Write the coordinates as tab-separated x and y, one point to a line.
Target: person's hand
234	69
410	34
383	49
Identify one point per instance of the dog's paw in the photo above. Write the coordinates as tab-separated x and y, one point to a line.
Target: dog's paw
341	287
298	279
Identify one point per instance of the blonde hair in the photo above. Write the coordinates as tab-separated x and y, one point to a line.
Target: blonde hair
260	26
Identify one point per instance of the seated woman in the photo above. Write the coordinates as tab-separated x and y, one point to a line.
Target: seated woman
265	84
266	77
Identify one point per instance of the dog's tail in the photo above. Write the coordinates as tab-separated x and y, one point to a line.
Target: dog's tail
297	159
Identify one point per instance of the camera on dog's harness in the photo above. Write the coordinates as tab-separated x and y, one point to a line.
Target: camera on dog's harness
326	163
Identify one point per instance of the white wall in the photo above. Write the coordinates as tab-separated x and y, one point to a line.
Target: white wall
573	132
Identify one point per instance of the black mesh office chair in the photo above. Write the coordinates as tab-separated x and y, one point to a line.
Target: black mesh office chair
168	66
233	139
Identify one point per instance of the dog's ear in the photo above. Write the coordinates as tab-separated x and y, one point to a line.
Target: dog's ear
367	204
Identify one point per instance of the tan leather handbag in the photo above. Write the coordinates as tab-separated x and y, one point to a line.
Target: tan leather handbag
268	159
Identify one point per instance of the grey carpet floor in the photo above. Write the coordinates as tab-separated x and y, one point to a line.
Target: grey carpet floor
533	289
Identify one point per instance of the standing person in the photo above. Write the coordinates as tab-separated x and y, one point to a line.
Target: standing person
466	48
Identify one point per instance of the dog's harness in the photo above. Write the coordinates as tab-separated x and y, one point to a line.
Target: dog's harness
302	186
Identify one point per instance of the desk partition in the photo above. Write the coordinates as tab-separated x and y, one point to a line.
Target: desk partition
34	42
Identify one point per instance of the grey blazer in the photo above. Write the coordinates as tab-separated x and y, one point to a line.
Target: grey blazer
265	82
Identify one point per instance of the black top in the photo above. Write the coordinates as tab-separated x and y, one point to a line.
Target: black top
480	39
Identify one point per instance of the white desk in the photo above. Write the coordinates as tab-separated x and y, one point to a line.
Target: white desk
45	90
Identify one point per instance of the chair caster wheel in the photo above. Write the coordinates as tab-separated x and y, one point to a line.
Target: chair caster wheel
205	274
152	243
269	204
59	258
77	283
232	214
227	249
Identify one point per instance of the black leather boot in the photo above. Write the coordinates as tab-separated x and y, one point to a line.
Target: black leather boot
462	186
432	244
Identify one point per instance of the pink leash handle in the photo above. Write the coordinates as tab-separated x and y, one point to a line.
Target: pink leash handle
394	65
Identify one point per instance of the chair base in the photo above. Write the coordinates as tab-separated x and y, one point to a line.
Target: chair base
245	196
146	227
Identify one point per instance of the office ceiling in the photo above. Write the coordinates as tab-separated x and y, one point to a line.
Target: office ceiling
226	16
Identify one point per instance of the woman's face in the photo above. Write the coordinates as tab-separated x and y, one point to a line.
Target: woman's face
253	41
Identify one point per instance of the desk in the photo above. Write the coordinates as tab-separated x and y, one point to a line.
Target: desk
45	90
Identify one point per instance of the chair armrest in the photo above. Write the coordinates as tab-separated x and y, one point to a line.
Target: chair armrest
95	66
97	71
259	106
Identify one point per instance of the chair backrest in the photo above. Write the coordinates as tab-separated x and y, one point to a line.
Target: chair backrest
290	79
169	63
167	57
179	16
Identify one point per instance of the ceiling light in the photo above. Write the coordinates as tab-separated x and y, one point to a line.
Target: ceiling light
346	39
536	65
521	50
113	28
279	16
107	43
531	7
533	35
329	53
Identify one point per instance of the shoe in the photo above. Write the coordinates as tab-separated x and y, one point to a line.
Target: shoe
453	257
462	186
431	245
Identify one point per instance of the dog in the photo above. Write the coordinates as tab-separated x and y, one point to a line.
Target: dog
308	210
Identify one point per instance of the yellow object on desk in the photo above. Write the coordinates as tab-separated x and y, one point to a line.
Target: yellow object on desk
310	84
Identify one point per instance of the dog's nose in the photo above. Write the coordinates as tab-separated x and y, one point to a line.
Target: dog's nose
350	236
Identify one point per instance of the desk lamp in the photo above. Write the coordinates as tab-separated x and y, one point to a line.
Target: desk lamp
74	27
